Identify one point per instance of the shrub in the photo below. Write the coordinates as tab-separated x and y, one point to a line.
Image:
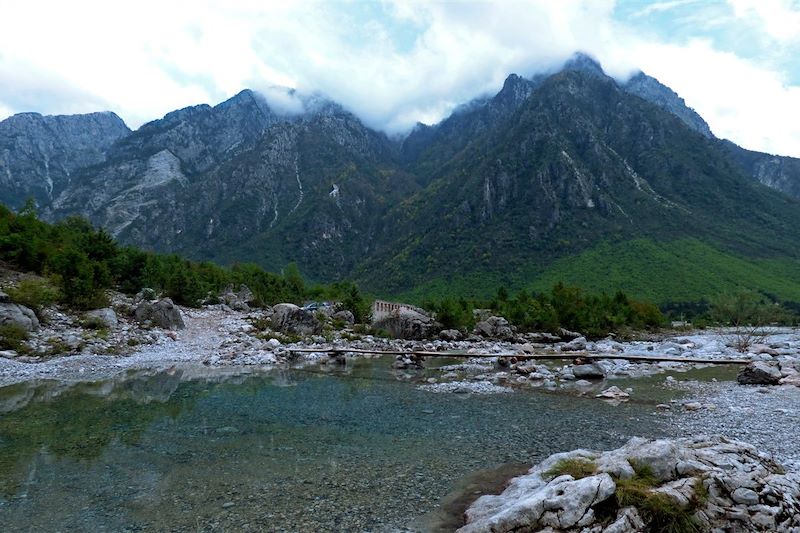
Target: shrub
12	336
34	293
661	513
94	322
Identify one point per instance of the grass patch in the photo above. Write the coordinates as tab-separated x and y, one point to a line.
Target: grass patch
34	294
577	467
94	322
661	513
12	336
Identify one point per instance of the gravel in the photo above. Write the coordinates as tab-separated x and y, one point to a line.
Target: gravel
768	417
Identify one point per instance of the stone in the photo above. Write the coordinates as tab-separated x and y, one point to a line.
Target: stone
793	379
18	315
562	503
273	343
345	316
238	301
289	318
450	335
106	316
588	371
628	520
614	393
575	345
759	373
146	294
535	502
745	496
494	327
163	314
405	323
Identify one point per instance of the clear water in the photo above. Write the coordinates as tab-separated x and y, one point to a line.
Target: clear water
349	449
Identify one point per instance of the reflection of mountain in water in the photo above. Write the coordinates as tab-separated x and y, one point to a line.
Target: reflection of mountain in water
79	420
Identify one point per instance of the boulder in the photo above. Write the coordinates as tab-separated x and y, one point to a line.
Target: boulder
289	318
145	295
107	316
408	324
588	371
18	315
575	345
759	373
450	335
494	327
742	490
613	393
162	313
238	301
345	316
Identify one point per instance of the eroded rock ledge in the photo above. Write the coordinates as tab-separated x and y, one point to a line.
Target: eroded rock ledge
697	484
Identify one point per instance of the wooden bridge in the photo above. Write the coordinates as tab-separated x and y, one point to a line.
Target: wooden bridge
526	356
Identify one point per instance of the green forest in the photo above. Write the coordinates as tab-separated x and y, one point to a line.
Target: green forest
82	263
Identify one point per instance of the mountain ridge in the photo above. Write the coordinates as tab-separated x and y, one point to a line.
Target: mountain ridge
548	168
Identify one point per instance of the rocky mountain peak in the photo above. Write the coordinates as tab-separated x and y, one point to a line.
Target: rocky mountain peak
516	90
583	62
39	153
652	90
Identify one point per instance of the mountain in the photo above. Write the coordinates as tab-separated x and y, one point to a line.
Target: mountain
580	164
238	182
40	154
568	176
779	172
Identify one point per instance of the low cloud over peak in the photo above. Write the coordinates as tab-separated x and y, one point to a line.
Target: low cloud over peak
398	62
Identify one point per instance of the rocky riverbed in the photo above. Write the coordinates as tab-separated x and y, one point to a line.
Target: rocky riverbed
138	334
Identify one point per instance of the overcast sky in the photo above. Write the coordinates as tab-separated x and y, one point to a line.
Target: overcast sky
398	62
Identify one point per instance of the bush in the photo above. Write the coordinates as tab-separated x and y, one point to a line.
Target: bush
34	294
12	336
94	322
661	513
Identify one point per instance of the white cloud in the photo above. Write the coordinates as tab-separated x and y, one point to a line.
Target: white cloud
145	59
740	100
780	19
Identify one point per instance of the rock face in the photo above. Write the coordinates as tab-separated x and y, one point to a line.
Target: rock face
289	318
715	483
163	313
39	155
407	324
760	373
18	315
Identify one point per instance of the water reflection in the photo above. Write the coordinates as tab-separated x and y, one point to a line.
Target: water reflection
322	448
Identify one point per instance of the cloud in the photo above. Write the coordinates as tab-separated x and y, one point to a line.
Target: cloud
740	99
393	63
779	19
282	101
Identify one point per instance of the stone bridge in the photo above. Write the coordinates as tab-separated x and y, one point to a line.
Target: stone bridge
381	309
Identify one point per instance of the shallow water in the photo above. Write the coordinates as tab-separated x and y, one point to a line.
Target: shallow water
346	449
